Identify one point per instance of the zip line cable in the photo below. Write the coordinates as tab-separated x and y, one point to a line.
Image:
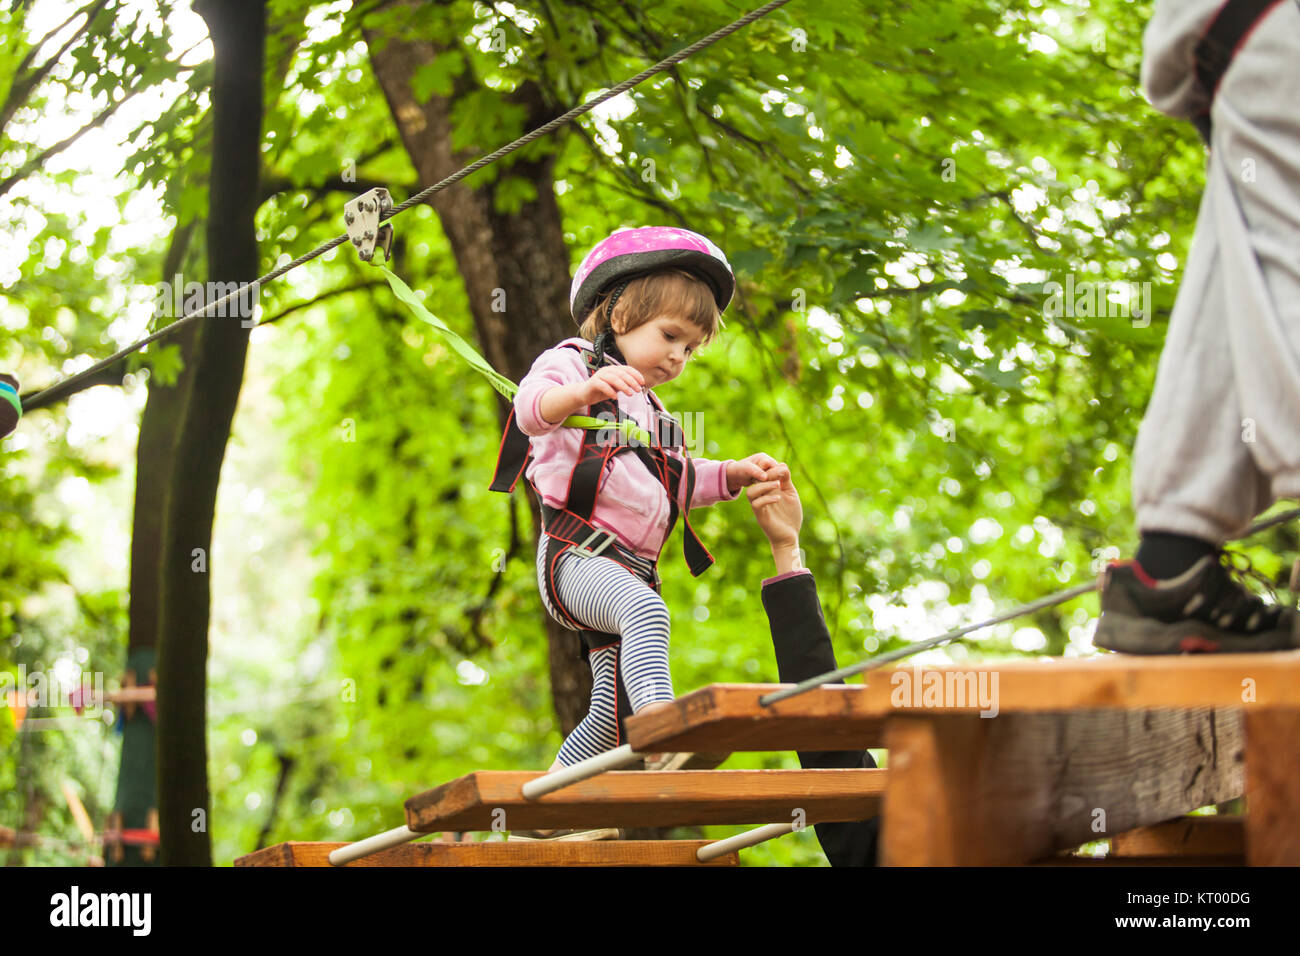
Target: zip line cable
1060	597
58	390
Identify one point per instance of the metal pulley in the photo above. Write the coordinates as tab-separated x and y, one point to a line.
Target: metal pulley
362	217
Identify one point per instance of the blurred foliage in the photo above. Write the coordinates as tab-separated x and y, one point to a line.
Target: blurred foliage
894	184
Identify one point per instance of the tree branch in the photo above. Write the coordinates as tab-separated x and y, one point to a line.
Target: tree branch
23	87
289	310
287	764
39	160
272	187
636	193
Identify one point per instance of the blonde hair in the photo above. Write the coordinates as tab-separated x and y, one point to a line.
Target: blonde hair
672	292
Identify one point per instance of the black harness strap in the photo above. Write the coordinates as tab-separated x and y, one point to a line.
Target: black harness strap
512	456
1219	44
570	528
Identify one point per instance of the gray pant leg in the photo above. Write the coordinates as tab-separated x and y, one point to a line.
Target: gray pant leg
1221	437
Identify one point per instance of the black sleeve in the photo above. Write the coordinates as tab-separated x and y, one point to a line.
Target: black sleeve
803	650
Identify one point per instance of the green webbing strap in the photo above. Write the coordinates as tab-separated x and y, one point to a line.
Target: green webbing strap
477	362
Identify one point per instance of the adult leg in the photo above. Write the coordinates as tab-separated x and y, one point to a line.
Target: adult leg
1220	440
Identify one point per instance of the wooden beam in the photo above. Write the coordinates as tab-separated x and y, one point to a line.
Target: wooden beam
728	717
850	716
968	791
601	853
1273	786
1205	837
491	800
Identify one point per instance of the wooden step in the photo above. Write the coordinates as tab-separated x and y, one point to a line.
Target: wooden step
850	716
729	715
491	799
599	853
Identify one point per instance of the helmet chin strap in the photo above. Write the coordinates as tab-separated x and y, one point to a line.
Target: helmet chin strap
605	344
605	340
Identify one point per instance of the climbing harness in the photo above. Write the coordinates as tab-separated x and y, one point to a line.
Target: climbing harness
569	528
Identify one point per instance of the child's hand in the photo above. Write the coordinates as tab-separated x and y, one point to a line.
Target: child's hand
609	381
743	473
777	508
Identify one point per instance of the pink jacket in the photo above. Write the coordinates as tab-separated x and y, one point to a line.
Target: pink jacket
630	501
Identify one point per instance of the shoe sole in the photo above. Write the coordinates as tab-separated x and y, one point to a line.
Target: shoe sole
1142	635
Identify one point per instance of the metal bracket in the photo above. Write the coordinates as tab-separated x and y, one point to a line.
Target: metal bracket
362	216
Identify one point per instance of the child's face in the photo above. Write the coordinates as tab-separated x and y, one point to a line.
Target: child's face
660	348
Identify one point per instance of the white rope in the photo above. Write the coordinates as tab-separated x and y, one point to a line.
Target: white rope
741	840
383	841
583	769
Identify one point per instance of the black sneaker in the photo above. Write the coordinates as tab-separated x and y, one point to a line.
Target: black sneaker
1203	610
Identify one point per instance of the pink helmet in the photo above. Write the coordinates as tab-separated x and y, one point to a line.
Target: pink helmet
629	253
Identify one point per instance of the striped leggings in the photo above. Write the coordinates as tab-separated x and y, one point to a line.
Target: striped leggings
604	596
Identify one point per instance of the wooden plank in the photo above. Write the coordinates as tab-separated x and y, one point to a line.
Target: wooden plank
1273	786
491	800
850	717
1206	837
968	791
601	853
728	717
281	854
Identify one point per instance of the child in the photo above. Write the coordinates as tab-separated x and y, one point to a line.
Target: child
646	300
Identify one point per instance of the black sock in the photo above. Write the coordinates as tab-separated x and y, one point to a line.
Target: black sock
1164	555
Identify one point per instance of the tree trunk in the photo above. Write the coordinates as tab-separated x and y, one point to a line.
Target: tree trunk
517	260
137	789
238	32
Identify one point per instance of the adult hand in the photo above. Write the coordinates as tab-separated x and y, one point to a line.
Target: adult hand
776	507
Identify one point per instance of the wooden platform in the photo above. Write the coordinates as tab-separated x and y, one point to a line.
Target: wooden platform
852	716
1004	762
491	800
599	853
1011	761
